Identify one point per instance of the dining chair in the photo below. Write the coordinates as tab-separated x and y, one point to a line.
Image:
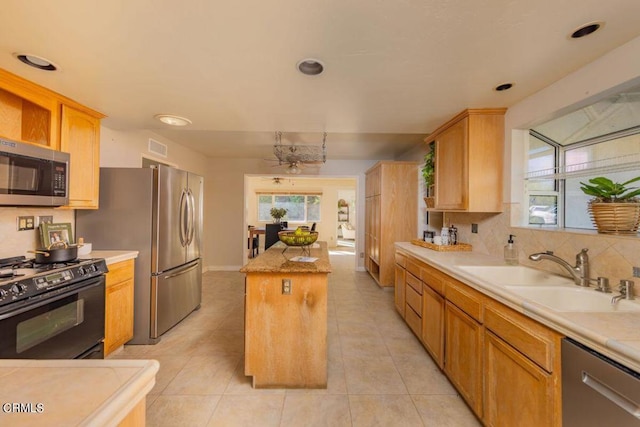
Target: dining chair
271	235
255	248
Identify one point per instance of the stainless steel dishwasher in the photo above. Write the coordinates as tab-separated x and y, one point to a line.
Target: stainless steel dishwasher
597	391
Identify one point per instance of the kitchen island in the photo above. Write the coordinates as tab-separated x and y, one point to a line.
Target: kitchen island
286	318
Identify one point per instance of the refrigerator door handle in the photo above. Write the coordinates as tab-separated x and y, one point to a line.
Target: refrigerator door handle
192	217
181	272
183	207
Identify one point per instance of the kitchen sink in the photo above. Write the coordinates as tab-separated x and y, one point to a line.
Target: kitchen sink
515	275
561	298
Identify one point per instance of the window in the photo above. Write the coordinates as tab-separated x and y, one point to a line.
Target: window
300	207
553	184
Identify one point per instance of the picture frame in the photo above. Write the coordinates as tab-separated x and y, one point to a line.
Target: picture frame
55	233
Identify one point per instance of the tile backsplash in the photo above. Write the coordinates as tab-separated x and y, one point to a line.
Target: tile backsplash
16	243
609	256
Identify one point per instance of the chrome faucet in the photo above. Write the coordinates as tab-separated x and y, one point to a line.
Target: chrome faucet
626	291
579	273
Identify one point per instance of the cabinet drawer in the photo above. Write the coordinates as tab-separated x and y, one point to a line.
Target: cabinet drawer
465	298
413	267
433	278
414	299
119	272
401	260
414	321
413	282
537	342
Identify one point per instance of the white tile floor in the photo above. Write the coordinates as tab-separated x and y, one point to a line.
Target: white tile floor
378	372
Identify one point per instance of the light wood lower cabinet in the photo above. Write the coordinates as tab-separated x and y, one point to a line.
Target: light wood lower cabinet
118	325
400	290
522	370
518	392
463	356
505	365
433	324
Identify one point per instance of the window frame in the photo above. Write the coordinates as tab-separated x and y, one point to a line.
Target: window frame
306	195
560	152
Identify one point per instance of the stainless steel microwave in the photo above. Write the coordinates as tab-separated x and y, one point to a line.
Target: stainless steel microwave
32	175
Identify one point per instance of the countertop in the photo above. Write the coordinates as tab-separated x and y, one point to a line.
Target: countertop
274	260
66	392
616	335
111	257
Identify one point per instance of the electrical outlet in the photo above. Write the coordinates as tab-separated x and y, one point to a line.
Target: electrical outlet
361	254
474	228
45	219
286	286
25	223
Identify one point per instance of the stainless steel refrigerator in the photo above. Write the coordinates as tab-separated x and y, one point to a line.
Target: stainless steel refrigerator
158	212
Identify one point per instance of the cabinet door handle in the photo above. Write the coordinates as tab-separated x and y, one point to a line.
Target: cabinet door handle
604	389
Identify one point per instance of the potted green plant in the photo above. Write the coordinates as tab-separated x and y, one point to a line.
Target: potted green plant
615	208
428	172
277	214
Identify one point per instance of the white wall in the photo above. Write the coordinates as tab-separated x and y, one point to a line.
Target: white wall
225	204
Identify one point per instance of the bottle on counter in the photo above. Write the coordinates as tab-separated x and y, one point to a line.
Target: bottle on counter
453	235
511	251
444	234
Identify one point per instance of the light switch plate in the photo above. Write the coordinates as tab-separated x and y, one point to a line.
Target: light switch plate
25	223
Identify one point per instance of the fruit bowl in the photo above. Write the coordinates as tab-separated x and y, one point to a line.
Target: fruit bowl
290	238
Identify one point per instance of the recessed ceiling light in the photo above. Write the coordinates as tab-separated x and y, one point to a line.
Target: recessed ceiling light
36	61
172	120
586	29
504	86
310	67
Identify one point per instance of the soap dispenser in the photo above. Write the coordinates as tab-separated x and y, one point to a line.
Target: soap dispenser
511	251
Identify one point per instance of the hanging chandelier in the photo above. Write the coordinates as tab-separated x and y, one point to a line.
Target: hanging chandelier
296	156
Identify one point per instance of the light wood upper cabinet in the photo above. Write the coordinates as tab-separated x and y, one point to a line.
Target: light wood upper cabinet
118	305
36	115
80	137
28	112
469	161
392	192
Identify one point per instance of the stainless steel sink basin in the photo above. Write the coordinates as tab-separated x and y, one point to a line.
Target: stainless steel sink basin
515	275
561	298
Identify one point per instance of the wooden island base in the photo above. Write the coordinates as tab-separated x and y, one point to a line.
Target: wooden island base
286	333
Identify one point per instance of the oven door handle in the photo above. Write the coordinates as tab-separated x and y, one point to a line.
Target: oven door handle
95	282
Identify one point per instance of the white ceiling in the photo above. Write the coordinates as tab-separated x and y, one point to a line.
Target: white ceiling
395	70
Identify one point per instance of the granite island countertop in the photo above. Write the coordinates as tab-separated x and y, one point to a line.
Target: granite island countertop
614	334
277	259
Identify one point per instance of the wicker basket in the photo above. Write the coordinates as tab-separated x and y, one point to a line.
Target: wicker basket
615	218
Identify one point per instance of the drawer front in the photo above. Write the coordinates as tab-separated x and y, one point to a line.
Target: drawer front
536	341
467	299
119	272
413	267
433	278
413	282
414	299
414	321
401	260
